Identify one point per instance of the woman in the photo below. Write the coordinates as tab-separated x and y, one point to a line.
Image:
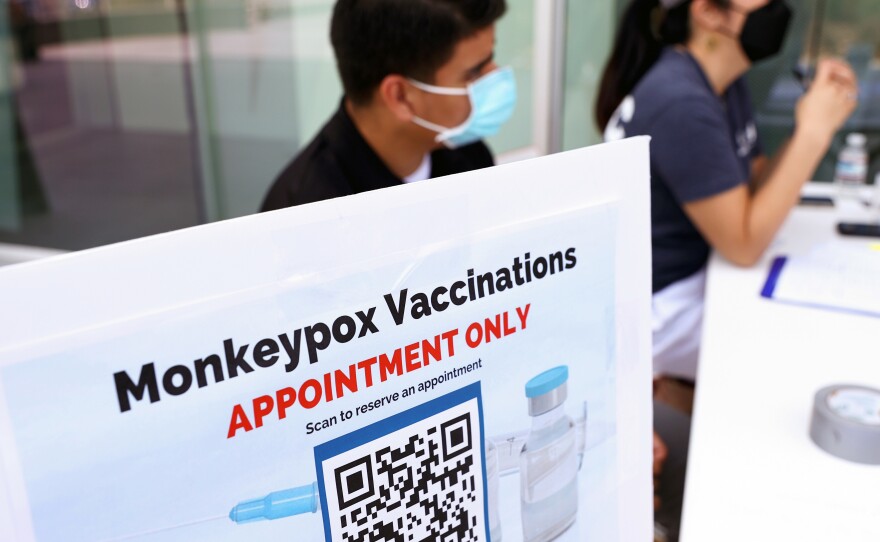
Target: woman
676	74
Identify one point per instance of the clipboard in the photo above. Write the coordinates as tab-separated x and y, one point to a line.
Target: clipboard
813	282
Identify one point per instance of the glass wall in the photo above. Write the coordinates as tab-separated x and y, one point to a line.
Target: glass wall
125	118
589	34
103	136
850	30
10	200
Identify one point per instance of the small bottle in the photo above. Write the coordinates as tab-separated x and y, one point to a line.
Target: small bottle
875	205
549	460
851	173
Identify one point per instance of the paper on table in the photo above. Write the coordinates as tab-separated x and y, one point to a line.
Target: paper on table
833	277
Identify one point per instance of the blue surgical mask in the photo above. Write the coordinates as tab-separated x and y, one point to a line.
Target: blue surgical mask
493	98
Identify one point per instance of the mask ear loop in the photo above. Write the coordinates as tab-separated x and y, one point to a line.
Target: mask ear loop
445	91
443	132
419	121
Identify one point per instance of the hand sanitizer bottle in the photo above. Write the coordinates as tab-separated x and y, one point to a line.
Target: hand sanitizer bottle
549	461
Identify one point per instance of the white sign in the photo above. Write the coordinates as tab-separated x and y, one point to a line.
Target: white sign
461	359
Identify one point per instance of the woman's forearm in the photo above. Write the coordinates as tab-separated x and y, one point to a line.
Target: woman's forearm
793	167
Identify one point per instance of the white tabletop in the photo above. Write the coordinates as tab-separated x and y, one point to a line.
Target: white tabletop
753	472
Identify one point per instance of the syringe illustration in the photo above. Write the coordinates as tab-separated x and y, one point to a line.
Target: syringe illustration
278	504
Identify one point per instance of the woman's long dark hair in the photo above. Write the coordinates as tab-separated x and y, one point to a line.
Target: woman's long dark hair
645	29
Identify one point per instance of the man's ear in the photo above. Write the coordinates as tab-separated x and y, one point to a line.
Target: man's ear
397	94
708	15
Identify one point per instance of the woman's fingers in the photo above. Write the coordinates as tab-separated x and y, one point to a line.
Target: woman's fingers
836	70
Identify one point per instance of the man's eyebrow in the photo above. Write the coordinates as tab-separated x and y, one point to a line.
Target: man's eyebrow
483	63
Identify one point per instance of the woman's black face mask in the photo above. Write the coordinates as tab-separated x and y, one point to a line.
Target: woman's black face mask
765	30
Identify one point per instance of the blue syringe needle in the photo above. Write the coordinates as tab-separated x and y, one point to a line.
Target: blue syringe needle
278	504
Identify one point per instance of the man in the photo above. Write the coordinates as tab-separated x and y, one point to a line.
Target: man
421	91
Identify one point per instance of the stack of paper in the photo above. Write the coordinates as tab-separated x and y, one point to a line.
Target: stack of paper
833	277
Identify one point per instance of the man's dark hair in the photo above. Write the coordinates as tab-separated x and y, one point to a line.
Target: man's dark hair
375	38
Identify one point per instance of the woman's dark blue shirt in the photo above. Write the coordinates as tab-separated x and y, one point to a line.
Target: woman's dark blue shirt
702	145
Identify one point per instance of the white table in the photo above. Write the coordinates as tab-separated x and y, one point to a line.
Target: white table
753	472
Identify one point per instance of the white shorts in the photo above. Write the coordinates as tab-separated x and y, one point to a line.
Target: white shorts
677	321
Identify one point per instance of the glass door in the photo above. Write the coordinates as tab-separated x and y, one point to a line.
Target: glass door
97	120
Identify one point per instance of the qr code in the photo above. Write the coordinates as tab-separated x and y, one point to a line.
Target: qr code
420	482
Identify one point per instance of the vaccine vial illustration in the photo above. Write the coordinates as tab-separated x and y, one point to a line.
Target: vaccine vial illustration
549	460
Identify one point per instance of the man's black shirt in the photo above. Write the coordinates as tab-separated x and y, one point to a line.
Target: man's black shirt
339	162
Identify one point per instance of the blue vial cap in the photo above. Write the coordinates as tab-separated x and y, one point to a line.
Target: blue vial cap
547	381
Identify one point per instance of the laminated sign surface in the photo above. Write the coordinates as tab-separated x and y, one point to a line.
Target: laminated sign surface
463	359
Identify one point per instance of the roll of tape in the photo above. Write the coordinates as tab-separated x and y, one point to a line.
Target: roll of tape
846	423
